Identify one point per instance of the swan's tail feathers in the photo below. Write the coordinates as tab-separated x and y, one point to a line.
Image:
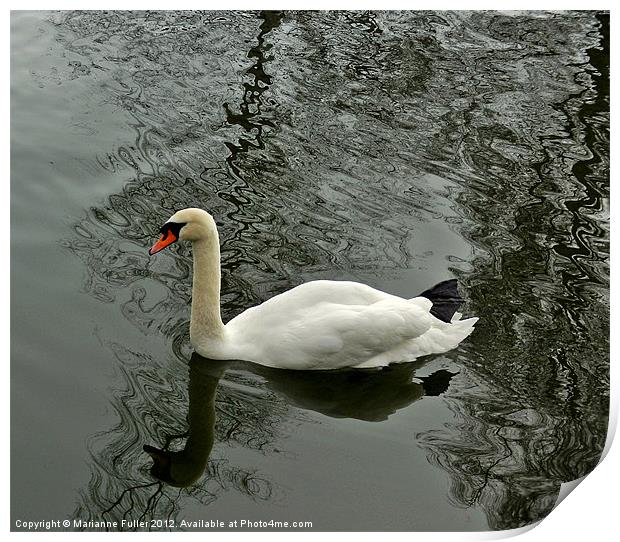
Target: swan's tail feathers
445	298
448	337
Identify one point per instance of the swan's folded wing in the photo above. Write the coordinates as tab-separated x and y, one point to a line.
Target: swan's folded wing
340	335
385	324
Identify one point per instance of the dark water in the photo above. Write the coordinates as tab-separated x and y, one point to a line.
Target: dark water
394	148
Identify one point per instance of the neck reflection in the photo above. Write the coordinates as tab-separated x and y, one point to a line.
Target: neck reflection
368	395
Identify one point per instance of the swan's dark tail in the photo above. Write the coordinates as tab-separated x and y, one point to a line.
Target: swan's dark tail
445	298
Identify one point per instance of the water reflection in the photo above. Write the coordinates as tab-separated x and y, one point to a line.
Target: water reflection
164	404
218	412
184	467
542	292
370	395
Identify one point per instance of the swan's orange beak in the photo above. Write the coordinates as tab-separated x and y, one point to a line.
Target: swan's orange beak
167	238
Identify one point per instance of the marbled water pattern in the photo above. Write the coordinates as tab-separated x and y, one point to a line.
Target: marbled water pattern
393	148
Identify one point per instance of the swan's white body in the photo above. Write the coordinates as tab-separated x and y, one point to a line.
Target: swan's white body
321	324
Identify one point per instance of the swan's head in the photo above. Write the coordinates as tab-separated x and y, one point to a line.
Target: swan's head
185	225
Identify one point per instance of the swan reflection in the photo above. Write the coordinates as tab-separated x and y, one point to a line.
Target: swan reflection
369	395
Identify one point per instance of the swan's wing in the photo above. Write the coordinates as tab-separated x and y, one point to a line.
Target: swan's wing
333	335
309	294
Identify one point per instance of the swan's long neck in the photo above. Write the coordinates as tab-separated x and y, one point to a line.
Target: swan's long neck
206	321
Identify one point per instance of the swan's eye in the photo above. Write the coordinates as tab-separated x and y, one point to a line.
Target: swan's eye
173	227
169	234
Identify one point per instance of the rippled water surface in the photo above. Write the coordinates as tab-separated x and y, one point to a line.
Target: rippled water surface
393	148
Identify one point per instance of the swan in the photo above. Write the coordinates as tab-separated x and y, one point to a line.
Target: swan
322	324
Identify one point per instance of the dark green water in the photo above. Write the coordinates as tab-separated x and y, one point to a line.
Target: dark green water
393	148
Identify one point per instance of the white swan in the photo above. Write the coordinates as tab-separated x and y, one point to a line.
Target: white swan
321	324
